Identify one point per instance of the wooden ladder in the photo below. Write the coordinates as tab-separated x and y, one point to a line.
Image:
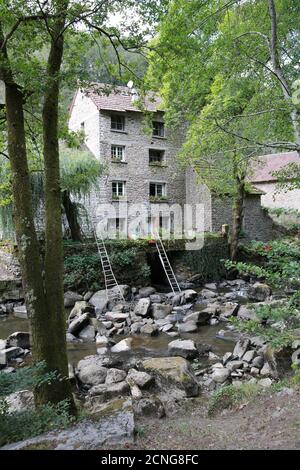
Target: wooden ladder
166	264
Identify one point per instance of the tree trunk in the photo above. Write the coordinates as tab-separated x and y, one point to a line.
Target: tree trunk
72	216
238	216
43	328
53	224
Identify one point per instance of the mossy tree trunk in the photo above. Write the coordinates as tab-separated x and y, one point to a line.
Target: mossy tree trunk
71	212
238	217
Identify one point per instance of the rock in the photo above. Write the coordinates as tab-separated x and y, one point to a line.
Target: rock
188	295
149	407
99	301
142	379
116	316
135	391
102	340
234	365
166	327
246	313
254	371
220	375
70	298
114	376
71	338
296	357
160	310
80	307
227	357
3	344
183	348
266	370
296	344
249	356
241	347
149	329
259	291
102	351
136	328
20	401
125	291
204	349
265	383
156	298
213	358
91	371
87	296
87	333
211	286
78	324
208	294
109	391
122	346
229	309
142	308
258	362
200	318
19	339
146	292
257	341
172	372
8	354
20	312
187	327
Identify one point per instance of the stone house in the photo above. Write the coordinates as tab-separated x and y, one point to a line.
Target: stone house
143	168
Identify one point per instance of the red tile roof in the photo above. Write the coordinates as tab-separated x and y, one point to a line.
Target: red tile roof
265	165
119	98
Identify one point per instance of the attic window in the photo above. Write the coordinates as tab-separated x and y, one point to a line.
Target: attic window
117	122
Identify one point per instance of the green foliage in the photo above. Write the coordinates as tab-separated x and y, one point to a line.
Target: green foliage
230	396
83	271
22	425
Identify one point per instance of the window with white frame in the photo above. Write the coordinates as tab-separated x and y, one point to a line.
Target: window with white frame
158	129
118	189
157	190
117	122
118	153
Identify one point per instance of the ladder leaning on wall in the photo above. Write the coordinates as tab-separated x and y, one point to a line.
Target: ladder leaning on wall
166	264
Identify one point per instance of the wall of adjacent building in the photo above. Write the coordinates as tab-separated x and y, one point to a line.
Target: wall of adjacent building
272	199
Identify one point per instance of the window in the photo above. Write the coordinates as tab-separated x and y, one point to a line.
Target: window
82	126
158	129
117	227
118	189
118	152
156	156
117	122
158	190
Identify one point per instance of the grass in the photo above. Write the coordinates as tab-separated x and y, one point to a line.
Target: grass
230	396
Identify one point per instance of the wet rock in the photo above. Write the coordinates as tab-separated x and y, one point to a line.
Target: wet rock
78	324
109	391
90	370
70	298
200	318
160	311
149	329
149	407
220	375
122	346
114	376
8	354
142	379
20	311
87	333
20	401
259	291
241	347
146	292
184	348
187	327
19	339
172	372
142	307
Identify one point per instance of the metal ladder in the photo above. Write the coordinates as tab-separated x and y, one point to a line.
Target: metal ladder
166	264
109	277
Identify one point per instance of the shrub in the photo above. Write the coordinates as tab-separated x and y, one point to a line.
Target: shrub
230	396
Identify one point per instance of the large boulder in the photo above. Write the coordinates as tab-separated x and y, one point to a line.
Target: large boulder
184	348
149	407
146	292
259	291
142	379
200	318
8	354
90	370
109	391
19	339
125	291
142	307
87	333
80	307
160	311
172	372
187	327
122	346
188	295
241	347
114	376
149	329
78	324
70	298
99	301
220	375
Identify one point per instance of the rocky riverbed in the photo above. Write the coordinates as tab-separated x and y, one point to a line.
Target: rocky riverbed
155	349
